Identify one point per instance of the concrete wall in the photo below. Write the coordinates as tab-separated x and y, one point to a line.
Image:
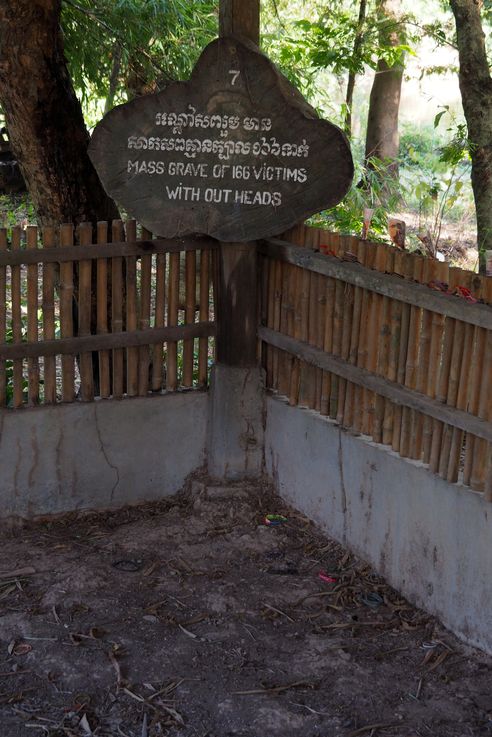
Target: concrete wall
432	540
99	455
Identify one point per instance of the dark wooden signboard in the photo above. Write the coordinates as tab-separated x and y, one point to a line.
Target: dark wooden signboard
235	152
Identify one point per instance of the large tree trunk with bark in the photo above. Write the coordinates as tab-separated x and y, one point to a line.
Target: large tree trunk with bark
382	138
476	95
44	117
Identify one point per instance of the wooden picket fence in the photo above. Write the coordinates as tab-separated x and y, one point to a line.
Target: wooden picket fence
106	310
352	330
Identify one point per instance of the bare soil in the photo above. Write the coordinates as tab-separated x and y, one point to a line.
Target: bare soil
192	618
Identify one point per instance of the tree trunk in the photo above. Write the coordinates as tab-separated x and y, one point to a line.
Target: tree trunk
349	97
382	139
476	95
44	117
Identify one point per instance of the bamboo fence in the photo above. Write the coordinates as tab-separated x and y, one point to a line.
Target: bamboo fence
371	336
106	311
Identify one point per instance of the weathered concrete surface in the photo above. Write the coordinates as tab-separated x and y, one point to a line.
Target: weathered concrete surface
99	455
236	435
429	538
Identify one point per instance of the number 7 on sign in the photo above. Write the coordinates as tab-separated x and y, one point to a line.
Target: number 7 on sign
235	74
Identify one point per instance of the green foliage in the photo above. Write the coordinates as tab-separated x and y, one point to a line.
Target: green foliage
375	188
151	41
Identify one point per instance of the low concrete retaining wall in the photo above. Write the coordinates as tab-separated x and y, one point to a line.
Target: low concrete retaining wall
99	455
432	540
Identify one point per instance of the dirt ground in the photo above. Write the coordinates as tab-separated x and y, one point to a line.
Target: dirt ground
193	618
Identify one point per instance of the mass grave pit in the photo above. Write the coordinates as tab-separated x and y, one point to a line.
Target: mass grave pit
235	153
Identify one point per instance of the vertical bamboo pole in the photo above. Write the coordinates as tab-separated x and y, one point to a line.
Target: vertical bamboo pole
473	399
172	320
66	314
416	448
321	289
48	307
160	319
348	318
461	378
310	317
269	264
364	256
432	382
407	271
32	318
297	324
102	312
337	331
285	307
480	477
18	379
205	315
395	317
330	290
117	234
131	312
377	262
144	316
3	318
385	258
277	309
411	367
442	385
84	315
350	392
190	309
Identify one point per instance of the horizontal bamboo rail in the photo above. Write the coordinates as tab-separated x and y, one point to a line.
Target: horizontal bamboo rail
387	285
397	393
110	341
104	250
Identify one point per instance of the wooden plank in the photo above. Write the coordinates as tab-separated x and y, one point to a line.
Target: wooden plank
395	392
102	312
386	284
48	307
237	304
112	341
106	250
66	315
84	315
240	18
3	318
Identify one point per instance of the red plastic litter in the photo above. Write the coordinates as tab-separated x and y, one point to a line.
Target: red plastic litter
323	576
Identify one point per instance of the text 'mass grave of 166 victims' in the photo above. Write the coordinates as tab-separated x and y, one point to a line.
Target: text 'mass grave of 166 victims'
235	153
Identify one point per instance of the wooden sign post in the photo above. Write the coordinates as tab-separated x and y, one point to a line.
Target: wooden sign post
235	153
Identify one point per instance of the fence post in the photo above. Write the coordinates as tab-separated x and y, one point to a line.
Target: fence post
235	447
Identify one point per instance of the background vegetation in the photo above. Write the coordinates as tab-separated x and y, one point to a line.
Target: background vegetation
117	49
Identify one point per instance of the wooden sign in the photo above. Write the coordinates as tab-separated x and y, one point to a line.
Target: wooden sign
235	152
